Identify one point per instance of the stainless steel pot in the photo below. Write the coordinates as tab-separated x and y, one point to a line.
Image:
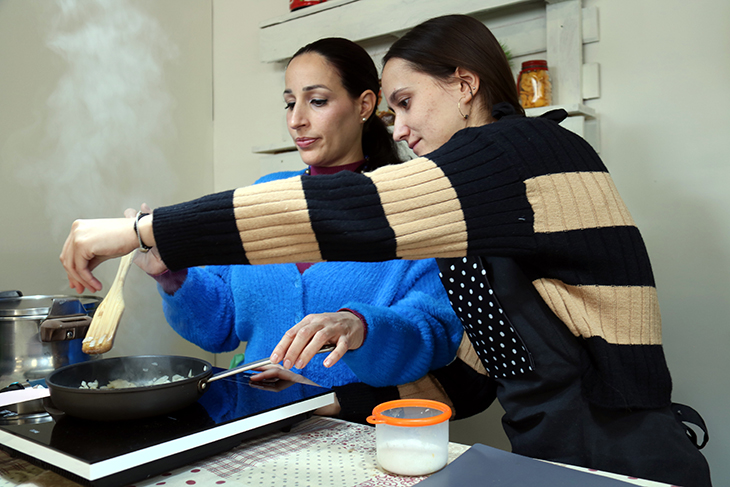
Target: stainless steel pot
39	334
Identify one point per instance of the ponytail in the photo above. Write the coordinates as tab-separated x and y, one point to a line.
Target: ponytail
378	145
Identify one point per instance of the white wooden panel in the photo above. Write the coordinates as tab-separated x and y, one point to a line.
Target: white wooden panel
529	36
592	133
590	25
565	50
557	28
591	81
360	20
524	37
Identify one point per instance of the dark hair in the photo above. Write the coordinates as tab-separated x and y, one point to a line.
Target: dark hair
358	73
440	45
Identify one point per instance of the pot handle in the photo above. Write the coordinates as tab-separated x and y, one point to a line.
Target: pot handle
64	328
11	294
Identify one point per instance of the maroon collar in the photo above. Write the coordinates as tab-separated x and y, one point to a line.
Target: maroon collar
318	171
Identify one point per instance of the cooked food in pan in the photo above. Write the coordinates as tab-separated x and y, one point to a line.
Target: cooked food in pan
125	384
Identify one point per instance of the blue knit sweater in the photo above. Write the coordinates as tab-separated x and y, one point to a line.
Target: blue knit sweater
411	326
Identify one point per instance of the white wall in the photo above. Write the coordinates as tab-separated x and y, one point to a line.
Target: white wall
665	132
665	137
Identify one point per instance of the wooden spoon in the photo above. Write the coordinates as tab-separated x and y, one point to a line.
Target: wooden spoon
100	336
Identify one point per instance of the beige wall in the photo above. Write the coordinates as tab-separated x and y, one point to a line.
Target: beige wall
84	132
248	94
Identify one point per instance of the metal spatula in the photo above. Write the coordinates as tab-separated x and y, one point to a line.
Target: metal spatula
103	328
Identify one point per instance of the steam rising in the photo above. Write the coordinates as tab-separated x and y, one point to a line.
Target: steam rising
107	115
99	145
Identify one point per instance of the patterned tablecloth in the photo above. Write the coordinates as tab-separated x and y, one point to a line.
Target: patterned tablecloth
322	452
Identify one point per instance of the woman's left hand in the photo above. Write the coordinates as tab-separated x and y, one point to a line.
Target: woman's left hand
302	341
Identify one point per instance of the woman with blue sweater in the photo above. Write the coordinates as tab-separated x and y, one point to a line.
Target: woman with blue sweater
330	98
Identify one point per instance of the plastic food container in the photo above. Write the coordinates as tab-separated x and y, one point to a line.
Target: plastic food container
412	436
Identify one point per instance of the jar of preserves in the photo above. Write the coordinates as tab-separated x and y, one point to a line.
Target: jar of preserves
297	4
533	84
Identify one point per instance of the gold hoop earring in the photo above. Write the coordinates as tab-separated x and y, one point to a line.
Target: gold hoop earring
458	106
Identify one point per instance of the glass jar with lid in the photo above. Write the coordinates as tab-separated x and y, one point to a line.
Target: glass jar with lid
533	84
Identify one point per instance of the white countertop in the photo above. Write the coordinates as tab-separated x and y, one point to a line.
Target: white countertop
320	451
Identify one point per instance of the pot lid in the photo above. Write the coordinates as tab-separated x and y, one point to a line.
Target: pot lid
410	412
36	307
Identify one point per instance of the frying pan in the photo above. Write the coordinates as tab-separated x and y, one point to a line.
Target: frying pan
135	402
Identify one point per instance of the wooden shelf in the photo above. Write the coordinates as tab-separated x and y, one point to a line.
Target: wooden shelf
274	148
576	109
555	29
359	20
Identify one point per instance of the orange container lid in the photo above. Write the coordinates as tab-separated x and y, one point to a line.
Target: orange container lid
379	418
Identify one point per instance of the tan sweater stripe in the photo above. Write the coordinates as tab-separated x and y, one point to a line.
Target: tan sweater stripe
469	356
418	171
576	201
413	196
274	224
616	309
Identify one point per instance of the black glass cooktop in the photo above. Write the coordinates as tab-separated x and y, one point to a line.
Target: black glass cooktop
109	454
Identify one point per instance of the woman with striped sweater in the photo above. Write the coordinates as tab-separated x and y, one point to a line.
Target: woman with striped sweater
542	261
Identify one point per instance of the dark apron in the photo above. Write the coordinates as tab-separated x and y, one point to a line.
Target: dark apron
547	415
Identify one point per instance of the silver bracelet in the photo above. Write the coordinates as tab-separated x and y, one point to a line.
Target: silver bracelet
142	247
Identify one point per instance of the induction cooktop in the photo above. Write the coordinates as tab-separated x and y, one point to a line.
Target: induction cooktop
117	453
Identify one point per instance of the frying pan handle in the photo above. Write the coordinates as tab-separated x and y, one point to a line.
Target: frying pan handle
203	384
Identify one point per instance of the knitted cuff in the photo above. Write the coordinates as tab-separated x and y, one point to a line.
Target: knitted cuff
357	400
171	281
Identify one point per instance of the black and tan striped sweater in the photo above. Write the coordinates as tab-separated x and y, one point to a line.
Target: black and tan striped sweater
522	188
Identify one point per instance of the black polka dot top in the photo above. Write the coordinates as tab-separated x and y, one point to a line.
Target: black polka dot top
495	340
